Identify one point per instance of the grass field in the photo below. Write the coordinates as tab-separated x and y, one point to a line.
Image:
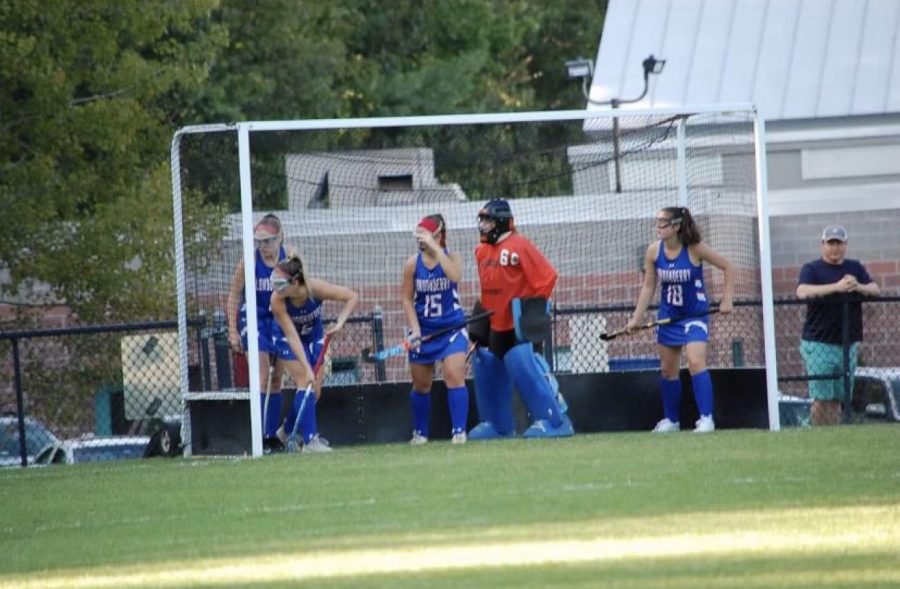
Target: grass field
748	509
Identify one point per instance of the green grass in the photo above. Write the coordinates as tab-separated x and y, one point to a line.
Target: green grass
803	508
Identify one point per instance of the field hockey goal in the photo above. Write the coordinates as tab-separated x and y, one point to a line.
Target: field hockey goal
583	186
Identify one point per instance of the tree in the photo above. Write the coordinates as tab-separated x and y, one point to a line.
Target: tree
86	114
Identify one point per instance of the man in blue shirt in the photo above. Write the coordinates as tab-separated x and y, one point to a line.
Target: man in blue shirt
834	286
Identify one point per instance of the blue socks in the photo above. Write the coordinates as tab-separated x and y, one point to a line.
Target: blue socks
458	400
308	424
273	417
671	398
421	411
703	393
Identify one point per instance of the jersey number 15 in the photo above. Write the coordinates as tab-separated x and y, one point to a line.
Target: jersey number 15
433	306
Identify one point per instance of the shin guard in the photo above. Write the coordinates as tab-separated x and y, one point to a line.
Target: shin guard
530	378
493	397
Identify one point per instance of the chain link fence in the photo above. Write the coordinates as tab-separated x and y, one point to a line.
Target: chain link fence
111	392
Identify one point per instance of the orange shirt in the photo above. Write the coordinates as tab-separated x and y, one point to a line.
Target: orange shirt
509	269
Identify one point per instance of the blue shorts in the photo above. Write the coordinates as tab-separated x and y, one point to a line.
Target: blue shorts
312	349
695	329
450	343
264	339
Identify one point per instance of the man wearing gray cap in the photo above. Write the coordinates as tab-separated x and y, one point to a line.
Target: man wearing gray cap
834	286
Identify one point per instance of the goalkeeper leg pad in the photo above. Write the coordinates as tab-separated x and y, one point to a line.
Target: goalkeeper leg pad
529	375
493	396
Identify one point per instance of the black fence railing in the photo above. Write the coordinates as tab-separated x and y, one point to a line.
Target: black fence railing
106	392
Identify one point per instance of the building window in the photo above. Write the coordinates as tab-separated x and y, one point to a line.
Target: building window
401	182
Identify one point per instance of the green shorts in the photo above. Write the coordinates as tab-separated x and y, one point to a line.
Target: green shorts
823	359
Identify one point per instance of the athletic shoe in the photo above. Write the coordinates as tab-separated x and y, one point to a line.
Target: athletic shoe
418	439
542	428
665	426
486	431
704	425
458	438
316	445
272	446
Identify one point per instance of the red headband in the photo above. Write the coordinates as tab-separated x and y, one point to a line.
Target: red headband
429	225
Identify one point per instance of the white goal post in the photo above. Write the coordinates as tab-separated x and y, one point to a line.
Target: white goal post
349	193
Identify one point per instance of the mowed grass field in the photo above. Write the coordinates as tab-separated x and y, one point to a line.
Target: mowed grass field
748	509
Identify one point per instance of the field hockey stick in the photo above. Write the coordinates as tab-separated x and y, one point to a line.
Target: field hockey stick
611	336
404	347
292	441
268	392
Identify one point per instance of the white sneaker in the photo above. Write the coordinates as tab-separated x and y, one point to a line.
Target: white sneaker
665	426
458	438
417	439
704	425
316	445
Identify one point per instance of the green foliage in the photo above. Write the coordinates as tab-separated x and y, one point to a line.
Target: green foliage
91	92
86	109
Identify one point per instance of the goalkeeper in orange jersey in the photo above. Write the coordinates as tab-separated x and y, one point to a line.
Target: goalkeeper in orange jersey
516	283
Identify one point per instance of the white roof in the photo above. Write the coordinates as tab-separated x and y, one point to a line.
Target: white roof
795	59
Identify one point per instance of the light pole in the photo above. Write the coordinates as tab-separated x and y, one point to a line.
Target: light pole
584	69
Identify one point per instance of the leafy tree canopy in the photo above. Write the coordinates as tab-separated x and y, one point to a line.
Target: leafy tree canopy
91	92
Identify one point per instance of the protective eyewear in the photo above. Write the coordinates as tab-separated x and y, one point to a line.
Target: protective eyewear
266	241
663	222
280	283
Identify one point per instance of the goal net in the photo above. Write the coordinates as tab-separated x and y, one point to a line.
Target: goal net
583	186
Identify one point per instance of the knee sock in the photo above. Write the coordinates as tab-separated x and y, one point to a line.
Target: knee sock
671	397
273	417
421	410
458	401
703	393
308	426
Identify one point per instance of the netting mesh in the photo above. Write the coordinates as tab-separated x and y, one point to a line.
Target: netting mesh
584	191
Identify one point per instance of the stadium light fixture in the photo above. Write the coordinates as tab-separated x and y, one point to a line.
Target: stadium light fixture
584	69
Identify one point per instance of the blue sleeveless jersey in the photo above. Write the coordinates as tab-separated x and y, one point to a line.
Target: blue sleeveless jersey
681	291
437	298
307	320
263	279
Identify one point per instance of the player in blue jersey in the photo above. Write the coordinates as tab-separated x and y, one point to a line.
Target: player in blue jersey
675	260
299	336
431	302
268	238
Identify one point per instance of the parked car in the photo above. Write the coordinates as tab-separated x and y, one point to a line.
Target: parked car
876	398
876	393
37	436
93	450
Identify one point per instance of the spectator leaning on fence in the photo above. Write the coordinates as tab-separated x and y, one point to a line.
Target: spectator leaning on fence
830	281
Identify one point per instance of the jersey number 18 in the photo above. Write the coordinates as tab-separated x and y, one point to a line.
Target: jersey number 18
674	295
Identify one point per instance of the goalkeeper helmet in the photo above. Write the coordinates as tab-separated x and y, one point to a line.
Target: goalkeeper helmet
498	212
